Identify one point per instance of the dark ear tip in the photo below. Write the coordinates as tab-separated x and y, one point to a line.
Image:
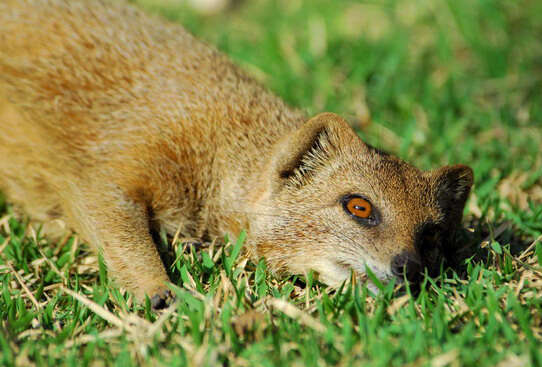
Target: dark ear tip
462	173
454	182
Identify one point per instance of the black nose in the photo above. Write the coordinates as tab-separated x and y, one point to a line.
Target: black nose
407	265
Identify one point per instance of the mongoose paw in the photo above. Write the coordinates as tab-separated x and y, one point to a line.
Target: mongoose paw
162	299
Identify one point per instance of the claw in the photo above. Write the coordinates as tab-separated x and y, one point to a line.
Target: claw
162	299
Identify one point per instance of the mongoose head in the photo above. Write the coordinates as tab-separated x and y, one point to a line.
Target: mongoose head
330	203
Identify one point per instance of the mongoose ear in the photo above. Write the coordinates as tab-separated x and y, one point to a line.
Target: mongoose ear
300	153
452	185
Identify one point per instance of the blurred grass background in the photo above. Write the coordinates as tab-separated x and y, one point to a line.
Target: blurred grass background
435	82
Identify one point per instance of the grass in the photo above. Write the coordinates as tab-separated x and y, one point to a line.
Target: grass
433	82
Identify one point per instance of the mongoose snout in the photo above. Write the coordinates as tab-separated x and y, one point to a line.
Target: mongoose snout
120	124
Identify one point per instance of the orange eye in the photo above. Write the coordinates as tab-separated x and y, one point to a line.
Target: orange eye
359	207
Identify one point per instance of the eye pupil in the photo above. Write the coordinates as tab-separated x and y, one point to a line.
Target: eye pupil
358	207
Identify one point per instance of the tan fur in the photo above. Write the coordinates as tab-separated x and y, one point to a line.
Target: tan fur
117	123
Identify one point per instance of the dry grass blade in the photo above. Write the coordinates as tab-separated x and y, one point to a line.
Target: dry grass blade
527	251
291	311
23	285
445	359
153	329
98	310
398	303
53	267
84	339
514	361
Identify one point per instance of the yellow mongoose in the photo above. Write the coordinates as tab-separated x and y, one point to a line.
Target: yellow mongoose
119	124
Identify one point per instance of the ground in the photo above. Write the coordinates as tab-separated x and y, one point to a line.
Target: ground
435	82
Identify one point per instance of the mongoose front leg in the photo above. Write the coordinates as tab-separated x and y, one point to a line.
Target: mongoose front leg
118	226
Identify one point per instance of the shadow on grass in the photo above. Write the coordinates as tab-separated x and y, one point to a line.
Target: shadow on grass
475	240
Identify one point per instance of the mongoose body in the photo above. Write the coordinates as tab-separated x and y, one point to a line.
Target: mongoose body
119	124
